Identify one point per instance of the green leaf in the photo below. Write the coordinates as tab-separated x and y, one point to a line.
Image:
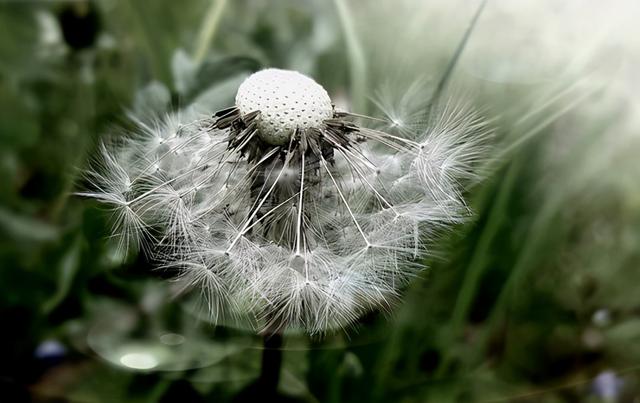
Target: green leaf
19	227
67	269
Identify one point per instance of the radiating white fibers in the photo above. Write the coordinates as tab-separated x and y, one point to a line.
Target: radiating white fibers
307	222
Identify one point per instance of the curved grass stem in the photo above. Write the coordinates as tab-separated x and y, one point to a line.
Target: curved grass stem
357	62
477	265
456	56
208	29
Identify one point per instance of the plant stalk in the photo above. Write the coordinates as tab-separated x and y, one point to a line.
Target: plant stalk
456	56
208	29
271	364
357	61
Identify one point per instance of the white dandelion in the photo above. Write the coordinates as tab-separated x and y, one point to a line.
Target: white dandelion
282	208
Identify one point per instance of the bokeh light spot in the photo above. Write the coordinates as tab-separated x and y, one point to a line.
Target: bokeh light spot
139	361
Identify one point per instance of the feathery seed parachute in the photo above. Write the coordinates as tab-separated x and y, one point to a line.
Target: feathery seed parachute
284	209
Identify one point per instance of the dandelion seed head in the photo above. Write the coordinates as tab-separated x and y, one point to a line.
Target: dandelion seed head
285	211
286	100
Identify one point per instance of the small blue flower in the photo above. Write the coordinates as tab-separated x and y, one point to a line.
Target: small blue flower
50	349
607	385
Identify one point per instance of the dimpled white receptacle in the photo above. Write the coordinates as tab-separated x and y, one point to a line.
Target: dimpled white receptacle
287	100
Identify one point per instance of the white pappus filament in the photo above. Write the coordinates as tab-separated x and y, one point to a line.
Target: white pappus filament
284	210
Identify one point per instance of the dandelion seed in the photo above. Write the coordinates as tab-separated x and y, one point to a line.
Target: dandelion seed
283	208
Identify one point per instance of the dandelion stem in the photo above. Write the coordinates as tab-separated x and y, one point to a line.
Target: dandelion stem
208	29
271	364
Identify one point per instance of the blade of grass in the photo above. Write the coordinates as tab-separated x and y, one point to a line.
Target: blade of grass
510	148
477	265
159	65
357	62
208	29
456	56
543	227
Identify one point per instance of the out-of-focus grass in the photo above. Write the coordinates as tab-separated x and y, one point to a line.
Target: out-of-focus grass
532	300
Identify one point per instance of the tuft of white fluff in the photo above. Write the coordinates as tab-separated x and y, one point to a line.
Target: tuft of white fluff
284	232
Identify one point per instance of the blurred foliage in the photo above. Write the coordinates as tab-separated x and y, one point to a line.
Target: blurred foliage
532	300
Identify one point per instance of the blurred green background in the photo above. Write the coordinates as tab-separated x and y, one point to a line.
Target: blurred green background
533	300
